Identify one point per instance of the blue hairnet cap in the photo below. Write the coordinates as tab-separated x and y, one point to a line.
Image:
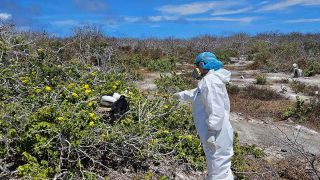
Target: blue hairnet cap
209	60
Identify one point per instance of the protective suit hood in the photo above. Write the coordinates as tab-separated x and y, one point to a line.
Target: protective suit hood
223	74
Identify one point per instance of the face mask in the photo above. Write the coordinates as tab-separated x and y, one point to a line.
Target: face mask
196	73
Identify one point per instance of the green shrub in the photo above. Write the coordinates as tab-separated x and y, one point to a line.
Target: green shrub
51	124
224	55
261	79
299	111
174	83
260	54
166	64
288	112
312	70
241	153
233	89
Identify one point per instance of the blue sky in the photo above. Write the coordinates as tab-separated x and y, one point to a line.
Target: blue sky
150	18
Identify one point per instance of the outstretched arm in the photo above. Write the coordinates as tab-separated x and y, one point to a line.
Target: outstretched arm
186	95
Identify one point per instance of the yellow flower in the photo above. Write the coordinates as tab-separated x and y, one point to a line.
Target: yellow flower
87	91
94	73
166	131
90	104
47	88
154	141
118	83
114	87
91	115
165	107
189	137
71	85
39	50
180	137
86	86
91	123
75	95
38	90
24	80
60	118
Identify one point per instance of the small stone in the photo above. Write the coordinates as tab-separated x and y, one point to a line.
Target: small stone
180	176
284	150
103	110
125	170
289	120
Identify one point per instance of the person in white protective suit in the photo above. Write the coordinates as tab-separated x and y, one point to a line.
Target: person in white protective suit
211	111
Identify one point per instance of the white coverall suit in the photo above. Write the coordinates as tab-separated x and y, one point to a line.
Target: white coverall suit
211	111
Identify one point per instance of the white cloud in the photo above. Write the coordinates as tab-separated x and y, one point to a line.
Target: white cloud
303	20
187	9
288	3
135	19
226	12
132	19
156	18
195	8
242	20
162	18
5	16
65	23
263	2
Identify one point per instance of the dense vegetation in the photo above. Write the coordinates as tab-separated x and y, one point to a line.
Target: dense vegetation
50	122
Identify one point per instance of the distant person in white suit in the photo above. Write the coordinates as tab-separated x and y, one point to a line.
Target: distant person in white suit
296	71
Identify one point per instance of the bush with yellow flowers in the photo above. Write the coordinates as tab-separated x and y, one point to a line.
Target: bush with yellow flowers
50	125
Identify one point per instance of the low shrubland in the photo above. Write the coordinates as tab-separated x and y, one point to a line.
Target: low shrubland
261	79
51	126
297	86
256	101
300	87
304	112
175	83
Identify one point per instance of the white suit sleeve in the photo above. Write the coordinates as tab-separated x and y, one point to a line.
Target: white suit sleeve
212	97
186	95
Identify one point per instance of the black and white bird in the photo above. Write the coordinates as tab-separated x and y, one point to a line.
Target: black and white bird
108	100
116	104
241	77
283	89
